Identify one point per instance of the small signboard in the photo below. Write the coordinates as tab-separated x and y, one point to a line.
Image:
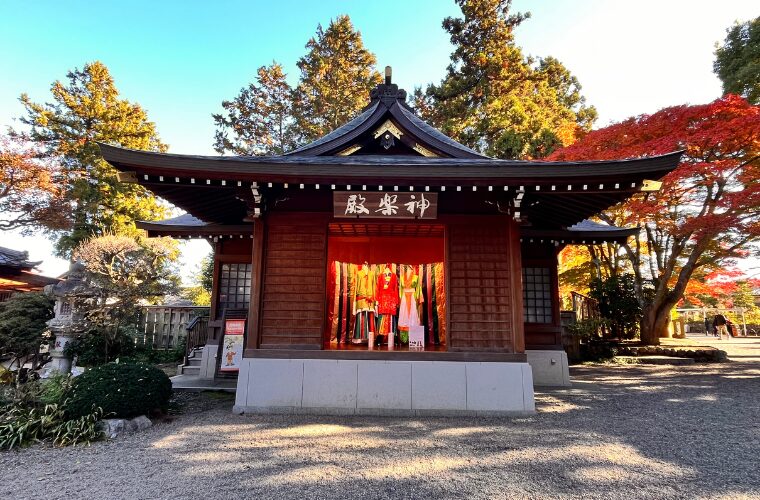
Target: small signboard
416	337
232	345
385	205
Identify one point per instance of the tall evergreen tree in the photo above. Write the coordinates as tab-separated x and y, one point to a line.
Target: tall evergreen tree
86	109
259	121
496	100
737	61
336	76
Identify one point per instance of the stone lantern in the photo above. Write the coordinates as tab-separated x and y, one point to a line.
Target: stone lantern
68	322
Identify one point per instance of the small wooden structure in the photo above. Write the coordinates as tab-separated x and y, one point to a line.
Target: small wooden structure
17	274
470	241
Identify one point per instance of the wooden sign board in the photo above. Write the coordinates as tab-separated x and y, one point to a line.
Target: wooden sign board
232	345
385	205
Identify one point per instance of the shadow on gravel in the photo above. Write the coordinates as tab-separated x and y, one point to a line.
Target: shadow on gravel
628	431
621	431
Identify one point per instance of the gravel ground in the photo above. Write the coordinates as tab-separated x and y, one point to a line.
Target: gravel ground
632	431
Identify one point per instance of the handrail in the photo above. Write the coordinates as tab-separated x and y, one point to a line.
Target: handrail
197	334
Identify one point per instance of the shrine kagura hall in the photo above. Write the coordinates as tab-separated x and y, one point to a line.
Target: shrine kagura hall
386	268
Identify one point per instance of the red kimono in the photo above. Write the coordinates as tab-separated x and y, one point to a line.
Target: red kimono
387	297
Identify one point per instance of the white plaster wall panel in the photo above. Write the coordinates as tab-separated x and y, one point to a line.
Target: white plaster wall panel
385	385
275	382
241	393
495	387
329	383
439	385
529	399
550	368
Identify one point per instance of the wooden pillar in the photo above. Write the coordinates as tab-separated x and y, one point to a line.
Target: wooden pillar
213	335
257	273
515	259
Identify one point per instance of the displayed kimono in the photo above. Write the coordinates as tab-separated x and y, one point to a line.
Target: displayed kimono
352	316
363	304
387	298
410	294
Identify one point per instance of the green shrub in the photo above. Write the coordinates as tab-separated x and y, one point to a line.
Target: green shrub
149	355
21	425
94	347
55	388
122	390
82	430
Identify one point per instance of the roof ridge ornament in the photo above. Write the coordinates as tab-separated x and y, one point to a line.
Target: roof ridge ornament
387	92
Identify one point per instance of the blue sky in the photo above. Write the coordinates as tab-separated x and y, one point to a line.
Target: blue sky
180	59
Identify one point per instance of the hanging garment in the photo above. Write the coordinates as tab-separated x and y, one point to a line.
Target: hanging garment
410	291
386	295
364	327
343	307
440	302
430	294
333	314
363	304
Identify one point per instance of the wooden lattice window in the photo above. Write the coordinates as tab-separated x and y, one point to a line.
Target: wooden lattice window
537	295
234	286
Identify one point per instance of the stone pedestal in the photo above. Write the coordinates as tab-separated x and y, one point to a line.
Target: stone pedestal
550	367
369	387
59	362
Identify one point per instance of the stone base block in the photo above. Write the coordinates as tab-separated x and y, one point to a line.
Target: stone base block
550	368
368	387
208	361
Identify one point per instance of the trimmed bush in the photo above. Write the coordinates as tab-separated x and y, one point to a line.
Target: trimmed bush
122	390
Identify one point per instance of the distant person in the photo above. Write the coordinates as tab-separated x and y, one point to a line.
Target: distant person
730	328
708	326
719	323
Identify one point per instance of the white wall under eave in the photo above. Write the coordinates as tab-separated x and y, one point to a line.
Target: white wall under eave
322	386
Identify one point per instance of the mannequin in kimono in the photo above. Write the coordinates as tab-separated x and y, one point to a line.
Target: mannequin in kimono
410	294
387	297
363	304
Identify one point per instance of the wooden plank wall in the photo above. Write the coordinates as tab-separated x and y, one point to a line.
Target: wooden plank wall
294	282
480	295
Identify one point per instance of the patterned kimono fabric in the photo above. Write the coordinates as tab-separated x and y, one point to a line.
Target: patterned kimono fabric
440	303
342	334
333	314
387	297
432	325
364	304
411	296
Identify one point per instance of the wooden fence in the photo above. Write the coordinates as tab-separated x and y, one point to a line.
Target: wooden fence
584	307
163	327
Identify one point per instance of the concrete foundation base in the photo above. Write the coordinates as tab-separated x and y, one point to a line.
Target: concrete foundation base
550	368
384	387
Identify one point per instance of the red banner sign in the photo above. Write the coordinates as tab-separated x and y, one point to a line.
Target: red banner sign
232	345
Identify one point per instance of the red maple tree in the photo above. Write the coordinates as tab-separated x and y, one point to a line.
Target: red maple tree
708	210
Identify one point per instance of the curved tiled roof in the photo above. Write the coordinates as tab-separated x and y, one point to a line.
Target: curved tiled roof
387	101
338	132
435	133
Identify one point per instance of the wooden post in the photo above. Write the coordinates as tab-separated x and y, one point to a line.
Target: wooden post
257	274
515	259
